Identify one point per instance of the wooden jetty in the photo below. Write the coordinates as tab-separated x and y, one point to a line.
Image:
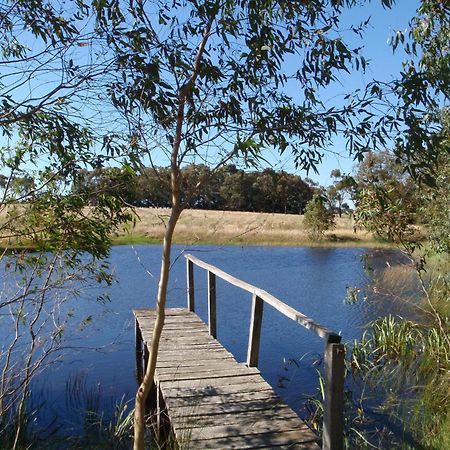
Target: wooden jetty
213	402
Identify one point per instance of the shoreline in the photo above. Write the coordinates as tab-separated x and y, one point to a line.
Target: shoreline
231	228
212	227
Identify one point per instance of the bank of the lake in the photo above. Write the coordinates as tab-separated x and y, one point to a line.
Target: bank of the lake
315	281
206	227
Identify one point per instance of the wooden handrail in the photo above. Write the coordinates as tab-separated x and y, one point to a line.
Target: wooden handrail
324	332
333	422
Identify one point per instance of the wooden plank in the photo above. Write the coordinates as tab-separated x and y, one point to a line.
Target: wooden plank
218	367
189	343
197	346
211	398
192	363
217	382
211	374
251	427
186	338
195	356
183	391
261	440
333	419
280	306
251	416
190	285
185	353
226	408
213	401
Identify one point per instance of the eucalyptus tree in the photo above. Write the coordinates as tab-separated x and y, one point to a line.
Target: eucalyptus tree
415	123
387	199
342	189
414	105
46	70
210	81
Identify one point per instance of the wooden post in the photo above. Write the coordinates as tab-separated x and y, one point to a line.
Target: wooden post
333	419
190	285
212	317
159	408
146	356
255	332
138	346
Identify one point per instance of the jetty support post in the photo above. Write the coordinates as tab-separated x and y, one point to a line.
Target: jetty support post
139	352
255	331
212	309
333	419
190	284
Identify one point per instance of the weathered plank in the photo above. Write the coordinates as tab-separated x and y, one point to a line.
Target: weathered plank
212	400
217	390
191	376
300	439
255	332
233	397
285	309
250	417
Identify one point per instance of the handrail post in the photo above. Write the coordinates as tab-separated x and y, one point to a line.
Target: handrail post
255	331
190	284
212	316
333	419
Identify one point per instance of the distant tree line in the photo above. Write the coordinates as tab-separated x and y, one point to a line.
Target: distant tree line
228	188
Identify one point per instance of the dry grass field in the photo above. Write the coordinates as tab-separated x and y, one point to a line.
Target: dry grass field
238	228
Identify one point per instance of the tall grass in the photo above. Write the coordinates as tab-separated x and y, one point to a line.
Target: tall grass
92	428
398	374
411	363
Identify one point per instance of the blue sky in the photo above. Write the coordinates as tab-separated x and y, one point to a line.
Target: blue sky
384	65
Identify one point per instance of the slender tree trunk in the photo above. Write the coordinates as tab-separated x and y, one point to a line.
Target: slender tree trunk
144	389
141	396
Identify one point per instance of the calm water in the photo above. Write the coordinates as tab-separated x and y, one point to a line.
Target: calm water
312	280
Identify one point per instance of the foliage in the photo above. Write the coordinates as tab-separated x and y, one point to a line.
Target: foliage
395	355
317	218
413	104
343	188
211	81
387	198
45	143
236	105
228	188
435	200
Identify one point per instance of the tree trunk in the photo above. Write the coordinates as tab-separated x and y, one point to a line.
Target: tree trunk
175	184
144	388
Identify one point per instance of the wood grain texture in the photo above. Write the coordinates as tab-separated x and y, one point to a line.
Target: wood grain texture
213	401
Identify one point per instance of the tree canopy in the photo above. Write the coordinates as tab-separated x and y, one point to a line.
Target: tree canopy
196	82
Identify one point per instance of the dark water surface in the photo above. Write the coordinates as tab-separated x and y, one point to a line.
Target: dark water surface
314	281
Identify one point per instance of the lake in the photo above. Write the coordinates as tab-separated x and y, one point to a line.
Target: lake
315	281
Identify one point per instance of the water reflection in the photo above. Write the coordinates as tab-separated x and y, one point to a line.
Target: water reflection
316	281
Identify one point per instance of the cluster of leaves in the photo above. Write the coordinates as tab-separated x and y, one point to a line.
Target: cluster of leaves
234	100
387	198
343	189
415	102
44	144
434	210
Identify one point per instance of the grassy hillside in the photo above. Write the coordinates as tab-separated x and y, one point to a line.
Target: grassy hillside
238	228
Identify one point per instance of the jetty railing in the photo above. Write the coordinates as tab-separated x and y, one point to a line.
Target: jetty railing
334	354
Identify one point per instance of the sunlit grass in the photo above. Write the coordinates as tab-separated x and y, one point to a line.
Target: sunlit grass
240	228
